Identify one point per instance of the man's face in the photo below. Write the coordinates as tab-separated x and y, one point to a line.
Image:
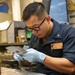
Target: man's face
38	27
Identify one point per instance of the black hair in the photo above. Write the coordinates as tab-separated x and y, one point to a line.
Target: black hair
35	8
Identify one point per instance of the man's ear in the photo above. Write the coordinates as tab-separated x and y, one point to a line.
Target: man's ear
48	18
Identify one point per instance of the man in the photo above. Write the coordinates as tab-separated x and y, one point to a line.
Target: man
52	44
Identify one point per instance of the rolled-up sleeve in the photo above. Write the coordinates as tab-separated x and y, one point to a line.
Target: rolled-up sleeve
69	46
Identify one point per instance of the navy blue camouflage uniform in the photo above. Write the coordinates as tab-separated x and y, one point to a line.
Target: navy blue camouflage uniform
60	43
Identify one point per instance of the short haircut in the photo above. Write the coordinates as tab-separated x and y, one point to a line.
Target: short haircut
35	8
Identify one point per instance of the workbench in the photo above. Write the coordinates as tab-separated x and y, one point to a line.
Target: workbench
9	71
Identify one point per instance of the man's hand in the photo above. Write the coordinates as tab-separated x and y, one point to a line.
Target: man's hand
33	55
18	57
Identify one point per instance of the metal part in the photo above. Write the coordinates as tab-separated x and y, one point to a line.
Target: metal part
16	49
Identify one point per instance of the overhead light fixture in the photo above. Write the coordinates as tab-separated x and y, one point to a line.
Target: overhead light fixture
4	25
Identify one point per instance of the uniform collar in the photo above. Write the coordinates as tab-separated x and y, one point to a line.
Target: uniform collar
56	33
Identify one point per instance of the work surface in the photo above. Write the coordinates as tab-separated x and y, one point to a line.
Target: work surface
8	71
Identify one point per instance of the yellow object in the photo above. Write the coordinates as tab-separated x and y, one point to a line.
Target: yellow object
17	39
20	39
71	5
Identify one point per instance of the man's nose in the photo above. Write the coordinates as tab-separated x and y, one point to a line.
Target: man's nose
34	31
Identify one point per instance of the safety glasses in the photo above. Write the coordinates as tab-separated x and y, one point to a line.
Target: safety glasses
36	28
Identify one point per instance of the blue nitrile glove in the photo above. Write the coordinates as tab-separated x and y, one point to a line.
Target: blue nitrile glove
33	55
17	57
25	47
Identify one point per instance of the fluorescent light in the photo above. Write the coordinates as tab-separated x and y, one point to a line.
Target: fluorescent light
4	25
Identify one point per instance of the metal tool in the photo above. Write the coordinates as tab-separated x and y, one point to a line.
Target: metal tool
20	66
